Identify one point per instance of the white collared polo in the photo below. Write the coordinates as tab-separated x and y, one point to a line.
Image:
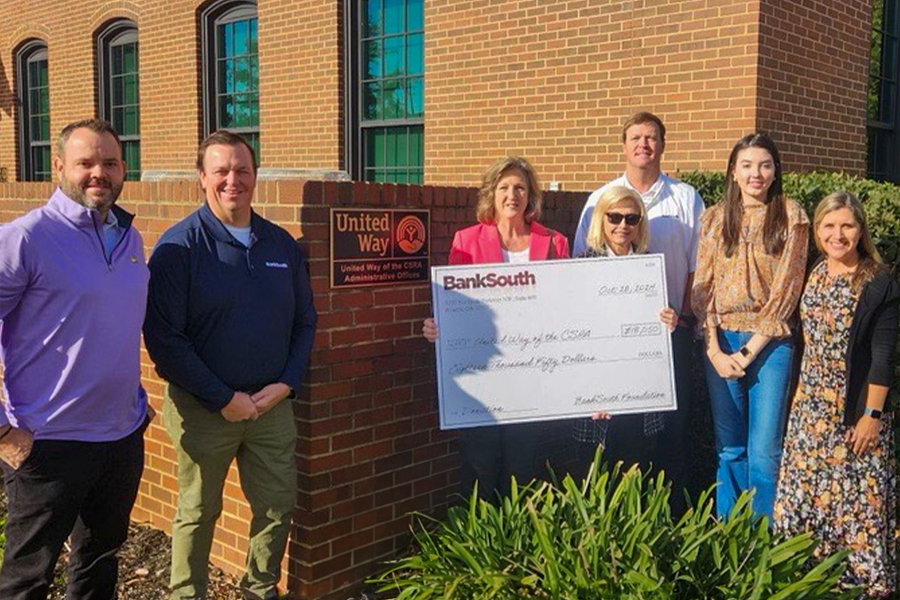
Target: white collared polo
674	209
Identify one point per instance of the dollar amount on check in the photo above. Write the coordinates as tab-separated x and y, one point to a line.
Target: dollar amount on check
551	340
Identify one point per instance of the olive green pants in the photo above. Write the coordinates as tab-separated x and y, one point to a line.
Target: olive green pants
206	444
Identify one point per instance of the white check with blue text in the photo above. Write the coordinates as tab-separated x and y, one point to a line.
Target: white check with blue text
551	340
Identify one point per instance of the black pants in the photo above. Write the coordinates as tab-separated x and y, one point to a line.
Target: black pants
491	455
673	450
85	489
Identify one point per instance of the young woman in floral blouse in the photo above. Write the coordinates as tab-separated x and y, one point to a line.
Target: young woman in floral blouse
838	477
750	268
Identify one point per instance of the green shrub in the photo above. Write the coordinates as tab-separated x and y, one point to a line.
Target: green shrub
609	538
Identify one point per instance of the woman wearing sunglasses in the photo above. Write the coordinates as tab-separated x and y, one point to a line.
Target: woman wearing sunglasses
751	263
509	205
618	228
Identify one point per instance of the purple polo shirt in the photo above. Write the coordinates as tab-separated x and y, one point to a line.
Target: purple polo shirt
70	324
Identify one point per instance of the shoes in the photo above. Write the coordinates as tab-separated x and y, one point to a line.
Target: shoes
270	595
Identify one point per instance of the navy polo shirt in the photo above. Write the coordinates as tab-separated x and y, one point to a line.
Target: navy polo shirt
224	317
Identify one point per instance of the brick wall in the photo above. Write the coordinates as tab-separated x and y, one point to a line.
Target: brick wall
813	75
368	450
552	80
555	80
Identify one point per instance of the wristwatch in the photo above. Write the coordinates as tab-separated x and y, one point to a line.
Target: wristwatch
745	352
873	412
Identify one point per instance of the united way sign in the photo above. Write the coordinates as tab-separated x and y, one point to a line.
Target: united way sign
379	246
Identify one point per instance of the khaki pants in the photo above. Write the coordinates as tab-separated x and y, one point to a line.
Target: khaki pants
206	444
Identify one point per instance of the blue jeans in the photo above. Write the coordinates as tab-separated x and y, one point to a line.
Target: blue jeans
749	417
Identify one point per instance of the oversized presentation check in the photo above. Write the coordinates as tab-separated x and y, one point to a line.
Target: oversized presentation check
551	340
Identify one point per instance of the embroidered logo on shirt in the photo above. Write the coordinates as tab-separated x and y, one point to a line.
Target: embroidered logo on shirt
134	259
276	265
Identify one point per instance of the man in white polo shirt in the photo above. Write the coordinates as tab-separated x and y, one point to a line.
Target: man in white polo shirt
674	210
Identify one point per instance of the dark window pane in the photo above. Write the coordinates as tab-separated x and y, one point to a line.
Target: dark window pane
393	56
415	98
42	73
129	58
254	73
241	38
45	100
415	53
241	75
887	102
35	128
118	91
390	148
416	148
45	128
372	18
415	19
372	55
393	16
226	112
889	66
372	101
890	21
242	110
131	89
393	99
34	101
224	43
226	77
131	121
117	60
254	111
118	121
33	78
254	36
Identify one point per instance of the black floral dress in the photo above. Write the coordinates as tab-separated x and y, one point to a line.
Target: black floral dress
845	500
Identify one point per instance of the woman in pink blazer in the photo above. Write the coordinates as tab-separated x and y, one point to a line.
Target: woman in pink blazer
509	204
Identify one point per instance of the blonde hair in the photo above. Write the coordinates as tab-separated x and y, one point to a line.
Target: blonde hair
870	262
486	211
612	196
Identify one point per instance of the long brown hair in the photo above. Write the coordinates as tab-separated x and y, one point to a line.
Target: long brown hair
870	262
775	228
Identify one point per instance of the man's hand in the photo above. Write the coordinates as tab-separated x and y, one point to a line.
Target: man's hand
15	447
240	408
267	398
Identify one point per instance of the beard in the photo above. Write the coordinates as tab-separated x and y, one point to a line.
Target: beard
77	193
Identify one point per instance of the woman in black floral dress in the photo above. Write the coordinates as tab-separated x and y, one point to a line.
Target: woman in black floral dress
838	468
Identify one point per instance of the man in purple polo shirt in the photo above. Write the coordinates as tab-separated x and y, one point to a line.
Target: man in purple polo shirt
73	289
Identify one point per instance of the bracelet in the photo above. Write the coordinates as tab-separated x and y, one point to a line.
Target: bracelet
5	433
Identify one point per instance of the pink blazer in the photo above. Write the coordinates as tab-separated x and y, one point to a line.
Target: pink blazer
481	244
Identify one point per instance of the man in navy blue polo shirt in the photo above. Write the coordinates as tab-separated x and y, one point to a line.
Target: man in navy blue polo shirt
230	326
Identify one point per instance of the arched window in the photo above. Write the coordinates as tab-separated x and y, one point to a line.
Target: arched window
34	112
118	73
883	120
231	69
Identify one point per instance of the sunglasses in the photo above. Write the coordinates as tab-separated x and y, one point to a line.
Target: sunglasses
616	218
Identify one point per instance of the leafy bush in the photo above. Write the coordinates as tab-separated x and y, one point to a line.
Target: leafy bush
612	537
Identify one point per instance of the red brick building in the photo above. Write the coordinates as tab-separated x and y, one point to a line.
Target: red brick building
423	92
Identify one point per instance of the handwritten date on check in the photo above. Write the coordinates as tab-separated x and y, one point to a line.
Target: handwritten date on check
551	340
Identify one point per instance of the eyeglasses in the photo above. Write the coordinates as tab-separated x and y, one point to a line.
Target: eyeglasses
616	218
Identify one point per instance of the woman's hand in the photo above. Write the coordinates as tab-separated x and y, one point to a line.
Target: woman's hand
601	416
726	366
864	436
430	330
668	318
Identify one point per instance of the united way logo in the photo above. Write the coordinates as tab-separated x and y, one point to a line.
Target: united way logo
410	234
